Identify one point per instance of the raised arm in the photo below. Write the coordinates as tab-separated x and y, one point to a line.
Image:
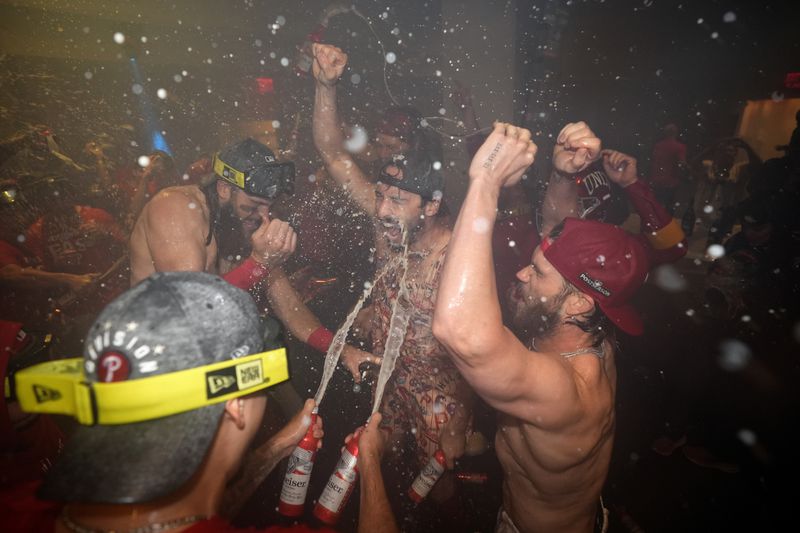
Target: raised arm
539	388
664	236
467	319
576	148
329	63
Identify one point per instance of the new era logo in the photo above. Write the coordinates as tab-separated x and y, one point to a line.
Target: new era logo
45	394
218	383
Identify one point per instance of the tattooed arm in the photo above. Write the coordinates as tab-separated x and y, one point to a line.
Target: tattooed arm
260	462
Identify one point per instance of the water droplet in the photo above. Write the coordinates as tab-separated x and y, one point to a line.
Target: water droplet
162	93
119	38
437	165
391	57
137	89
669	279
730	16
734	355
143	161
480	225
747	436
715	251
284	62
357	140
88	75
355	79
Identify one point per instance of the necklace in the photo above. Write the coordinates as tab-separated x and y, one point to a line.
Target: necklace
149	528
599	352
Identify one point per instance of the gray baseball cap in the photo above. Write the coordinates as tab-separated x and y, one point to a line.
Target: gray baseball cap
169	322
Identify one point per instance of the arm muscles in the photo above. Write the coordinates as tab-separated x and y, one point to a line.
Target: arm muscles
329	141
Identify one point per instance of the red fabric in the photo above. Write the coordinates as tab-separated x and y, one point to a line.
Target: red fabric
246	275
81	248
664	171
320	339
10	255
604	262
654	217
218	525
18	302
21	510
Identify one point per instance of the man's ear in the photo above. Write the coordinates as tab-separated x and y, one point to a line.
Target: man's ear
234	409
224	190
578	303
431	207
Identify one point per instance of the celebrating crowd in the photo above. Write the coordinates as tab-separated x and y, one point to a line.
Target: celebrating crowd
178	295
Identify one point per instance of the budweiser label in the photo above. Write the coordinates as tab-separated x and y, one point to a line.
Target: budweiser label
335	493
428	477
346	467
295	483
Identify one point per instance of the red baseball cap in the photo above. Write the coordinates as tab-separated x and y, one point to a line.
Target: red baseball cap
604	262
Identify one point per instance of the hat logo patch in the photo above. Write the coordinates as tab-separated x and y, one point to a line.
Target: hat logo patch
249	375
123	340
45	394
595	284
218	383
113	366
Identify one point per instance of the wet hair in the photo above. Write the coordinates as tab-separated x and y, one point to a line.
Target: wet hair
209	190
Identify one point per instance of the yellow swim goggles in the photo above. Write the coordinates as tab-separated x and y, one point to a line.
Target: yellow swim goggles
60	387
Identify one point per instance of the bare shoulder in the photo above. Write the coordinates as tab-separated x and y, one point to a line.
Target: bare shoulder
184	203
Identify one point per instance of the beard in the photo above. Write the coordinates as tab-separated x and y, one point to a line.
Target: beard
531	317
394	233
232	239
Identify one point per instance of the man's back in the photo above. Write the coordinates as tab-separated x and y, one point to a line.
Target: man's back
553	475
174	218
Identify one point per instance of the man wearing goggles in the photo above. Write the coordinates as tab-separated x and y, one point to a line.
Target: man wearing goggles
206	229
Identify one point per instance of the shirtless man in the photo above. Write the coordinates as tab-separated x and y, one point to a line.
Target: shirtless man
426	395
554	394
189	228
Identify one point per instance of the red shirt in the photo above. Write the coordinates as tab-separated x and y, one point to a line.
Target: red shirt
20	510
10	255
81	246
664	171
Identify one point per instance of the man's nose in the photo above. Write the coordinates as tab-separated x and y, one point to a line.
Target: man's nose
524	274
383	209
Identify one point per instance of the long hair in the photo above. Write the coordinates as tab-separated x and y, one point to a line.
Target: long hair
212	201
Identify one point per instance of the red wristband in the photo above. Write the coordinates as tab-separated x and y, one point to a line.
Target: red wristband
320	339
246	275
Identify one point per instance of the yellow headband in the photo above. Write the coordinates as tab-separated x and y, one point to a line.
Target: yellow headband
60	387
